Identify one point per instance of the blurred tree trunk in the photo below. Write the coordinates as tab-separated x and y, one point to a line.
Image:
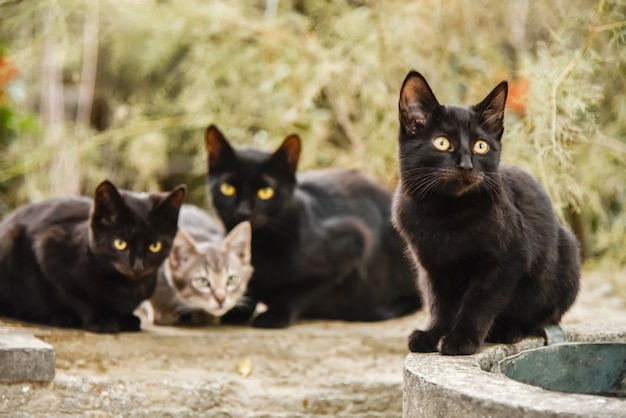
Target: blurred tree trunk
90	63
52	108
63	174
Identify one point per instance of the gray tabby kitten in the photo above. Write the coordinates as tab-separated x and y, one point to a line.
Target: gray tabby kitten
206	273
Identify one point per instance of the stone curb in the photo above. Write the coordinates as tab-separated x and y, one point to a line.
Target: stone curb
24	358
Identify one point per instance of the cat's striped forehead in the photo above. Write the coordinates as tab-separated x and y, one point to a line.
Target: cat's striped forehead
213	257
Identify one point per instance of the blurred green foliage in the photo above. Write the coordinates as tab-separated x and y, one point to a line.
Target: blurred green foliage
329	71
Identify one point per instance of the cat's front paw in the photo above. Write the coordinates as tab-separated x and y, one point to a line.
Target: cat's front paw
423	341
271	320
458	345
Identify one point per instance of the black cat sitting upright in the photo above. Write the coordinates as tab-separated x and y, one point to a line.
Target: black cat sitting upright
494	262
322	244
74	262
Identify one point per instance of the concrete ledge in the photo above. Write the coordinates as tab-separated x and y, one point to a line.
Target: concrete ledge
466	386
24	358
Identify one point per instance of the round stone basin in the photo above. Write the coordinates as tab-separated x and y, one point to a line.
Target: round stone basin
589	368
473	386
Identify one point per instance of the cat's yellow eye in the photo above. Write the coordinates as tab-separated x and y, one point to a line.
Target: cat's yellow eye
265	193
227	189
120	244
481	147
201	282
155	247
441	143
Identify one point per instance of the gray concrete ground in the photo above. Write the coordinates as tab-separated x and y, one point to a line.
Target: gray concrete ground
313	369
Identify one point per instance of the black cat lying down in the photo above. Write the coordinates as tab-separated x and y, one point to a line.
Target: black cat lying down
322	245
494	262
74	262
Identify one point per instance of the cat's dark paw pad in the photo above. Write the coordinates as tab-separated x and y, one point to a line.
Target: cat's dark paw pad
423	341
458	345
269	320
65	321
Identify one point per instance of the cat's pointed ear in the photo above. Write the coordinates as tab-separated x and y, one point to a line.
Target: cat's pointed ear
239	240
184	246
217	147
417	103
491	109
169	206
108	204
288	154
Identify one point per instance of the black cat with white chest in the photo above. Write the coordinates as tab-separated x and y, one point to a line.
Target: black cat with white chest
82	263
494	262
323	245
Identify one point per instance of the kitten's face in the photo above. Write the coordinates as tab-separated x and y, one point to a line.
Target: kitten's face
208	276
250	185
133	232
448	150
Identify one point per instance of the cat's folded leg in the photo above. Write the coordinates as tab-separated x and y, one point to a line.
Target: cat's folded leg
241	314
105	324
345	241
111	323
129	322
64	320
276	316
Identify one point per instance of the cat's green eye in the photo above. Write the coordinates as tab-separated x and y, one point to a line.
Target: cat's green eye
265	193
120	244
231	280
155	247
227	189
481	147
441	143
202	282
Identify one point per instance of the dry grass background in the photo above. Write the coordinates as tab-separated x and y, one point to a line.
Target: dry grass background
125	89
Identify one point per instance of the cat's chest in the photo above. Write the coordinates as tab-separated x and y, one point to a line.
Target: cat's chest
444	235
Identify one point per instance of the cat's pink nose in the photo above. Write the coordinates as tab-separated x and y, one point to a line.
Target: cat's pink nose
220	299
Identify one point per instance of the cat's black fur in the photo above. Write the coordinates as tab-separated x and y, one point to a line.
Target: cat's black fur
494	261
322	247
58	264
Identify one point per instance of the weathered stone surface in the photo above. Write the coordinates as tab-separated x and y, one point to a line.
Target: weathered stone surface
24	358
465	386
319	369
313	369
